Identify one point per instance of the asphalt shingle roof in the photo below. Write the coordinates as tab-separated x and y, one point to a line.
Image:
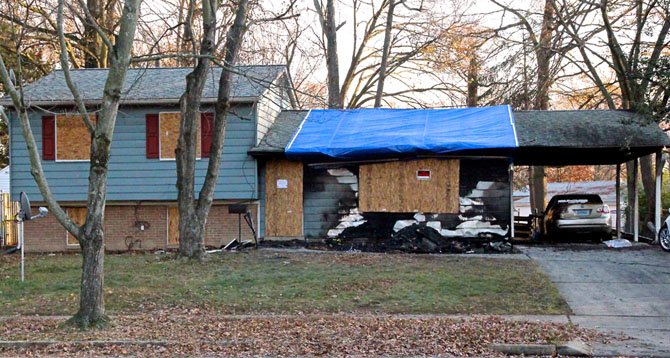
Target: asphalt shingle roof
587	129
281	132
148	85
535	129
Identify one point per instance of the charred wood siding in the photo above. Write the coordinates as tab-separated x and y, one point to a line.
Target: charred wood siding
483	210
327	198
486	184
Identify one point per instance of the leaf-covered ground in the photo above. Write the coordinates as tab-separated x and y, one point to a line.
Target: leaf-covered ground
265	281
199	333
268	303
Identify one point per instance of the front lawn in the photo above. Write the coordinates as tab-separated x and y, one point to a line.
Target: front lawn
256	282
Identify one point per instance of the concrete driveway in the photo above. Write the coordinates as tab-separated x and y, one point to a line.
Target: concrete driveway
625	290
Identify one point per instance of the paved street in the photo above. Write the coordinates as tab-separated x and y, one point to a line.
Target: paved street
625	291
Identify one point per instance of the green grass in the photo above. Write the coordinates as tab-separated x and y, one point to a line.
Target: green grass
270	282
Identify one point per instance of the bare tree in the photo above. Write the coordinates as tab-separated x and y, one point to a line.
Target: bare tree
329	27
90	235
637	37
85	45
385	53
193	214
549	44
413	34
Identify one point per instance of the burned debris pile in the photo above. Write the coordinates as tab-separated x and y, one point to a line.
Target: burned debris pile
417	233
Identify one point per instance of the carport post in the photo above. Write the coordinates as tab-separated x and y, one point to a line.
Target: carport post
657	192
636	204
511	201
618	201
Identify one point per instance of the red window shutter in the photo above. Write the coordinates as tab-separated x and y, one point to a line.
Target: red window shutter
206	130
48	138
153	136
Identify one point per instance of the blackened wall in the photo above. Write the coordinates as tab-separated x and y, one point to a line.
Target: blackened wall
486	181
327	197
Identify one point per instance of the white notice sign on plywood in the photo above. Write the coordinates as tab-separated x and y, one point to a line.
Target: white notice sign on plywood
282	183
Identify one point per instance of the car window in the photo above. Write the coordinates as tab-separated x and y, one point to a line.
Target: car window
562	200
573	201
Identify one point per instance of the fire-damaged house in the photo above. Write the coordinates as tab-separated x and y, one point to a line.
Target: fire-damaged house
383	174
410	179
426	180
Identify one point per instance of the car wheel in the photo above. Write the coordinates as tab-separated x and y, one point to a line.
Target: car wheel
664	238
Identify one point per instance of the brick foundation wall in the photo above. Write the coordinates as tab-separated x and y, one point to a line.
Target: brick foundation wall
122	229
222	227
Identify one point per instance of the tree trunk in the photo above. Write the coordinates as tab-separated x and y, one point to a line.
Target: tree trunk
91	312
191	243
193	214
473	82
332	62
538	188
191	240
386	50
630	190
544	53
648	176
93	43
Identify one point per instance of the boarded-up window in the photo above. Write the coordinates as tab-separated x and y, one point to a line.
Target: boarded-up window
398	187
283	190
173	226
169	134
78	215
73	141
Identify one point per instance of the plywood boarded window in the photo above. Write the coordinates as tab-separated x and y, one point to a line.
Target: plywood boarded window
396	187
78	215
173	226
169	134
73	141
283	193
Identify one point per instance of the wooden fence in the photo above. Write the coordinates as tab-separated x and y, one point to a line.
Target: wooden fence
9	229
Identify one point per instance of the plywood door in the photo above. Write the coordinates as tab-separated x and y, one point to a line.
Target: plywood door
173	226
283	203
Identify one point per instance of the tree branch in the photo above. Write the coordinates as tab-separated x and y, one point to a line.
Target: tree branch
66	71
36	164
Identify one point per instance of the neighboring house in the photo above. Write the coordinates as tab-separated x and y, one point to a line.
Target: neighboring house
141	207
606	189
4	179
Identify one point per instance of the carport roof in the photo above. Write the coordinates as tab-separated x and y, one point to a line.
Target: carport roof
572	137
585	137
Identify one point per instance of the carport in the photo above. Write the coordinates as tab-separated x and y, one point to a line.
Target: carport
594	137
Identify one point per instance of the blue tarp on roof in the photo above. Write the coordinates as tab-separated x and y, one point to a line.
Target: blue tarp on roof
366	133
